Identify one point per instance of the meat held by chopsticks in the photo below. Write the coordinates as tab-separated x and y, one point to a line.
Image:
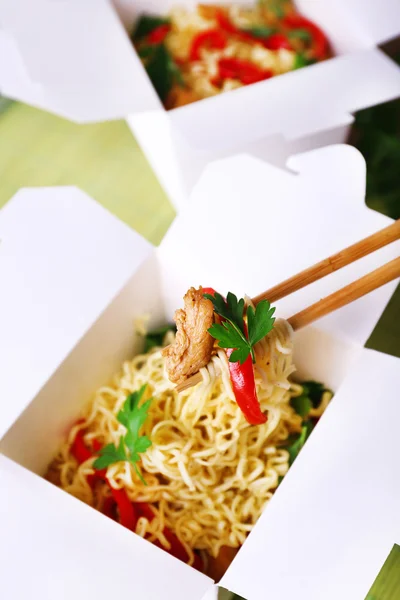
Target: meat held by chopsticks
193	344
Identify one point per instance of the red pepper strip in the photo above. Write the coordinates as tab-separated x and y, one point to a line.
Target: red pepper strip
320	45
82	453
108	508
158	35
208	290
244	385
127	514
244	388
79	450
211	38
244	70
276	41
96	445
225	23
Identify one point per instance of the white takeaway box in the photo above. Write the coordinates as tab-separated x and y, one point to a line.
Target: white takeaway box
73	280
73	58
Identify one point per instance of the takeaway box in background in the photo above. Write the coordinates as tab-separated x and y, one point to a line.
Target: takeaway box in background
67	310
86	69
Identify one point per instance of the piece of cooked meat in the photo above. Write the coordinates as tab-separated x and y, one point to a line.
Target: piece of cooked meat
193	344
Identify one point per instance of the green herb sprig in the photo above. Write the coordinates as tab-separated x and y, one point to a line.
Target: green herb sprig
232	333
156	337
259	31
132	416
310	398
146	24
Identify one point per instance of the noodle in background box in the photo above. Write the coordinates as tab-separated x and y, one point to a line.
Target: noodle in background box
73	280
86	69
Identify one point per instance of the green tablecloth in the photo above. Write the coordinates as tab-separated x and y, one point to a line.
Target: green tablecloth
39	149
103	159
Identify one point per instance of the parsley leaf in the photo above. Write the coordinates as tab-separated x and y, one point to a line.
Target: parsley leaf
161	68
146	24
228	336
230	309
236	308
109	455
259	321
156	337
296	442
232	332
310	398
259	31
301	34
301	61
302	405
132	416
314	390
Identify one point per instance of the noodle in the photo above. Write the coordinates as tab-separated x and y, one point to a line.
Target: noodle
209	473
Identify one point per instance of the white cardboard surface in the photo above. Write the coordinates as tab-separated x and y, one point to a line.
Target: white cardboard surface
58	273
84	67
332	523
379	20
68	550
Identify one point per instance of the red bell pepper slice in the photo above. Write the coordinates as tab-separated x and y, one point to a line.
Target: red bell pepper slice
244	388
82	453
244	384
109	508
210	38
225	23
276	41
320	44
127	514
79	449
243	70
158	35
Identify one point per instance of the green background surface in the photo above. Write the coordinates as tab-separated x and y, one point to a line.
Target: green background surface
104	160
387	585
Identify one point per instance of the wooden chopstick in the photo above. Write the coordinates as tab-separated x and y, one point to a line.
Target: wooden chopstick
338	299
332	263
359	288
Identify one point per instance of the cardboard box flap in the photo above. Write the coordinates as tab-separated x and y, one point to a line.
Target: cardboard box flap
93	74
379	20
250	225
62	259
333	521
81	555
299	103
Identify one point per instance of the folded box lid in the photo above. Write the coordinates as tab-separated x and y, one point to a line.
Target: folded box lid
250	225
379	20
54	546
62	259
333	521
73	57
